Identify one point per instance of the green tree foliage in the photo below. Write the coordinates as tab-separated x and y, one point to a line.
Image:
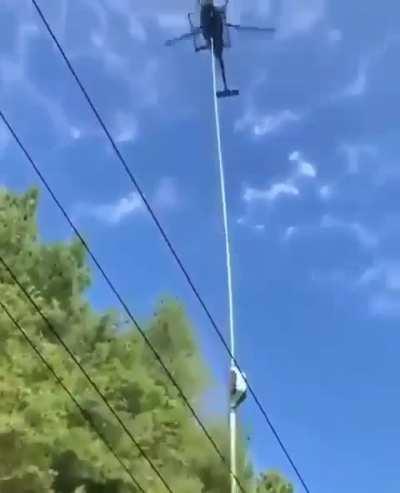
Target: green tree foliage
45	444
273	483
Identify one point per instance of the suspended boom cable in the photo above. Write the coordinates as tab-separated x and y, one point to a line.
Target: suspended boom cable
60	382
232	413
231	350
119	297
224	214
167	240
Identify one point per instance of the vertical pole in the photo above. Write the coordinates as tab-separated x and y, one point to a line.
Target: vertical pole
232	414
232	426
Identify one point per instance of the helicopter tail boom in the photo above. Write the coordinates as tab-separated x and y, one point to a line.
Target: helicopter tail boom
239	27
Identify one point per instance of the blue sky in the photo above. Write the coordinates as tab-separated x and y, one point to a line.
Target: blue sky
311	153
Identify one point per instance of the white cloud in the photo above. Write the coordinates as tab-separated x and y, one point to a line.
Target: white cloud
136	71
109	42
122	7
97	40
325	192
260	228
300	16
270	194
263	7
385	305
137	30
62	8
257	228
128	11
166	195
238	9
386	273
54	108
13	70
365	237
14	76
76	133
142	8
261	125
379	283
358	86
333	277
273	123
287	188
115	212
354	154
290	232
125	128
382	283
335	36
370	275
173	22
294	156
148	82
305	168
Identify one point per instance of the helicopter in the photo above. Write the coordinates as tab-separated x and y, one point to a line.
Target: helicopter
214	29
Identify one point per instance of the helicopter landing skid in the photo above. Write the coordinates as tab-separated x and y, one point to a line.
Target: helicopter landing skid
195	32
227	93
202	48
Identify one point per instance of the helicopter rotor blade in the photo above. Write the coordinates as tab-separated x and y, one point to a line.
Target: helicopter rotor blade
238	27
184	37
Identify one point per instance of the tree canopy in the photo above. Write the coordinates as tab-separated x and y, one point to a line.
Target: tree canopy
45	443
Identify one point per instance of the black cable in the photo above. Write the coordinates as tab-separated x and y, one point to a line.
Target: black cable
166	238
85	373
59	380
119	297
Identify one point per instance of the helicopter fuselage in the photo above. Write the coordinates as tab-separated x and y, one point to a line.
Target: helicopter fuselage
212	27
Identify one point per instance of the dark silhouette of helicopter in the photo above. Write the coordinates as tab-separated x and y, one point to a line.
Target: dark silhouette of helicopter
214	28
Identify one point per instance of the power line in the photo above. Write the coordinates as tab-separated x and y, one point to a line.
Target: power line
85	373
167	240
59	380
110	284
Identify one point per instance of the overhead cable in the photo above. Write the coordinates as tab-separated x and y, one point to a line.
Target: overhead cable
92	383
119	297
86	416
166	239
